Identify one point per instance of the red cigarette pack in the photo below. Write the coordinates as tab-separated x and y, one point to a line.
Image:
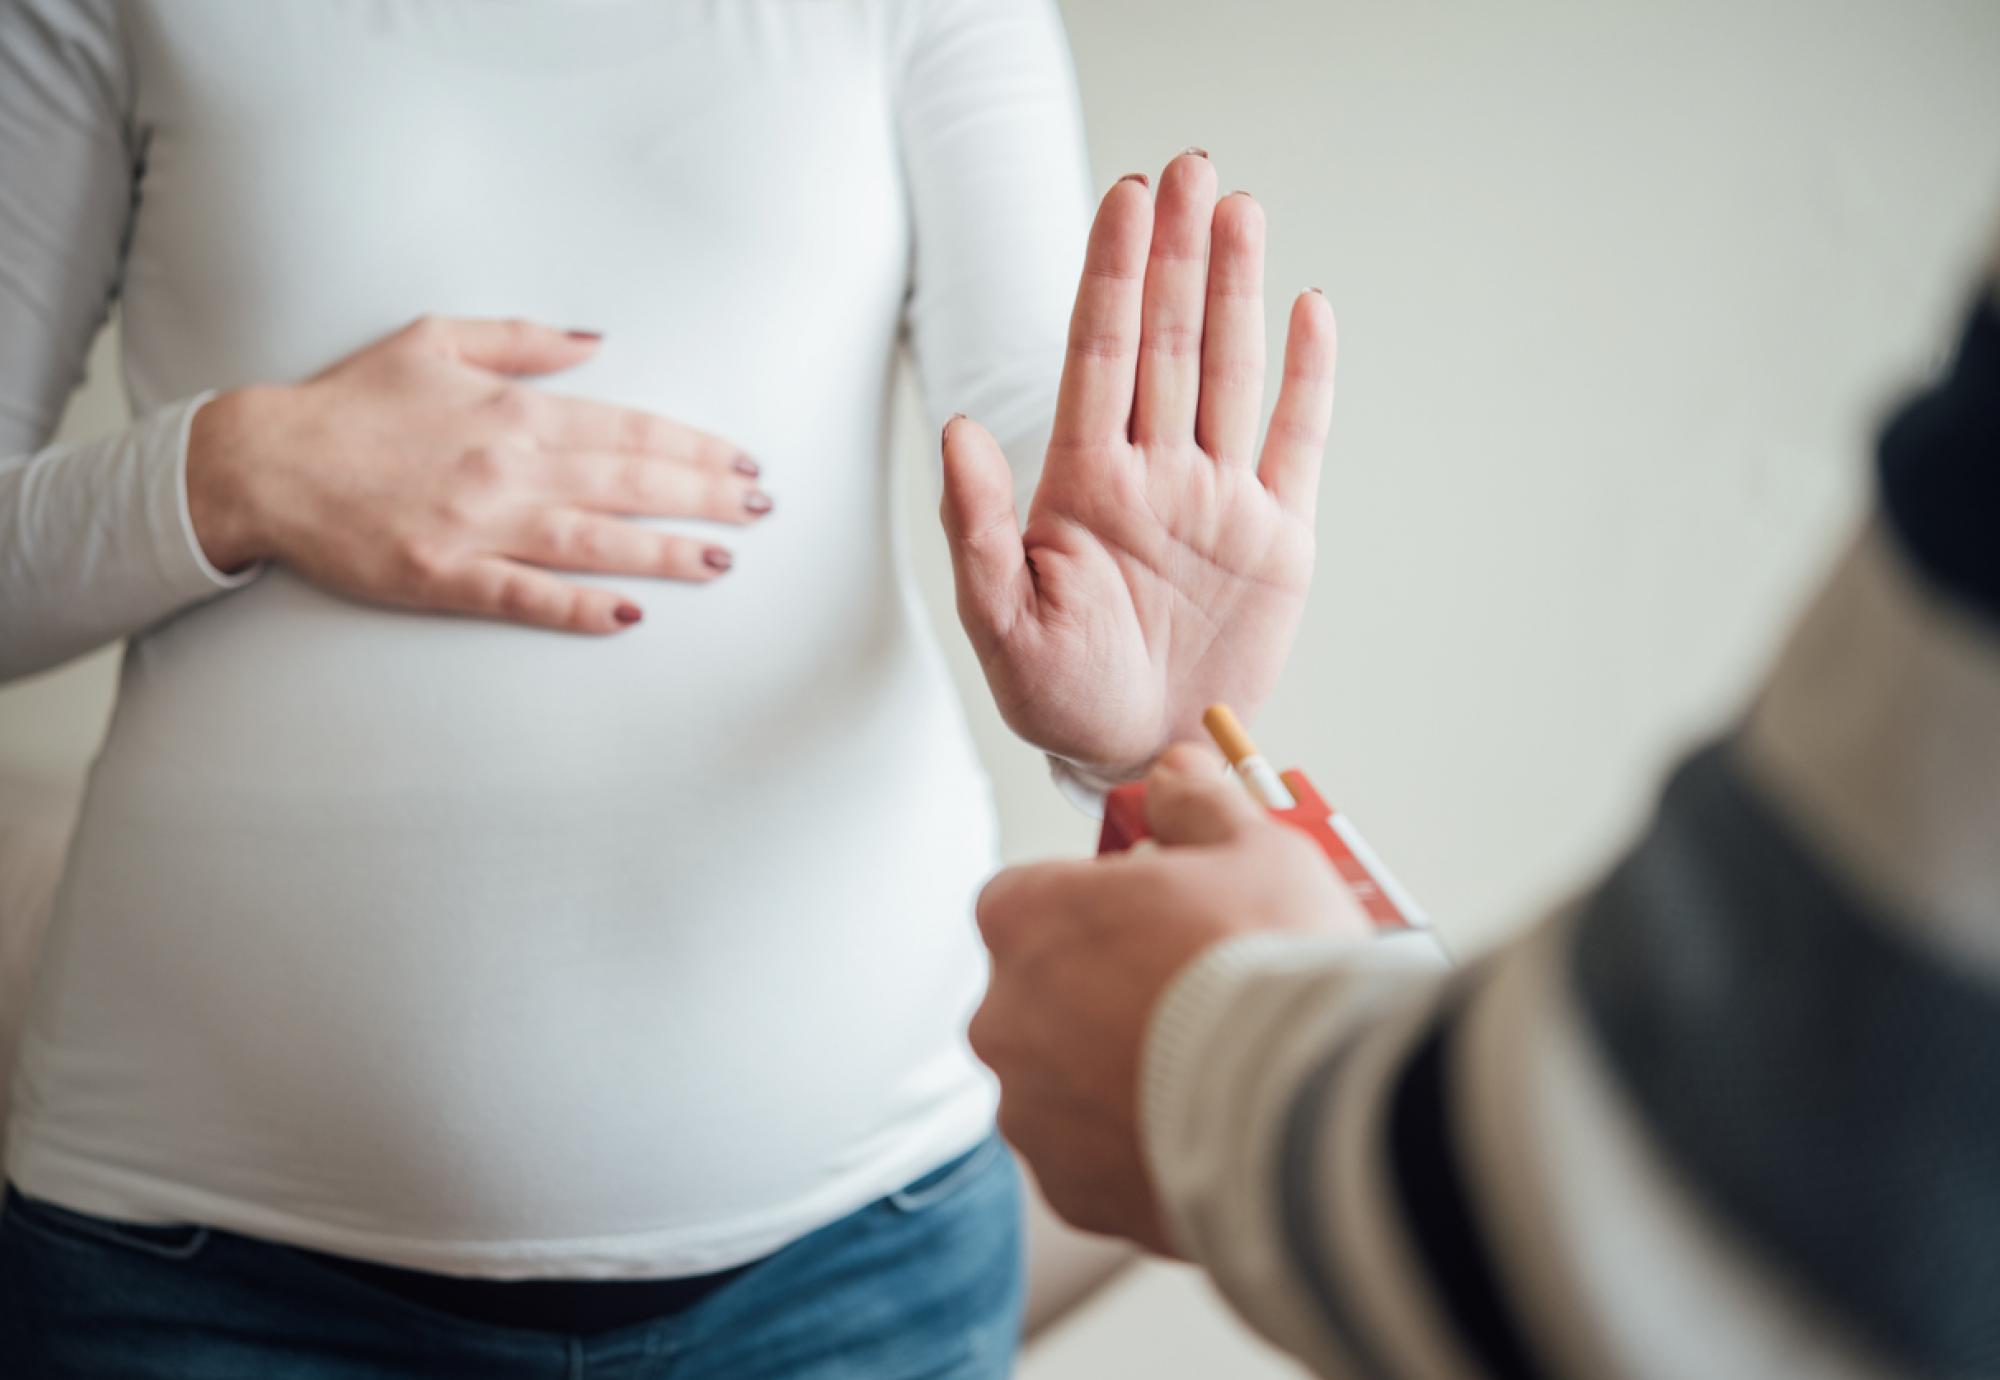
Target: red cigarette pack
1379	894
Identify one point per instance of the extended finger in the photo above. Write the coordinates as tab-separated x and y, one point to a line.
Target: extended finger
1095	402
1191	759
1191	801
1232	347
555	419
988	563
1297	440
1170	333
570	539
510	346
494	587
612	481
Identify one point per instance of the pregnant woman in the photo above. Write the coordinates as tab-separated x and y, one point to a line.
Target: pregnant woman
519	923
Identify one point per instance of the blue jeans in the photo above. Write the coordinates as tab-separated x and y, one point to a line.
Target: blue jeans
923	1283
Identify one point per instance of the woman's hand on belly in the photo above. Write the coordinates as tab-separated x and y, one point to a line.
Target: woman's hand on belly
1165	561
420	472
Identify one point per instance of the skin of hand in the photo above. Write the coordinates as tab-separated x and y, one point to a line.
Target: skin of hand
1083	951
1165	560
419	471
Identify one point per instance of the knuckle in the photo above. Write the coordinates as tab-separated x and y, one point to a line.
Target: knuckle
1174	339
1179	250
1232	369
426	330
1296	435
461	510
520	598
589	542
513	406
551	535
988	910
420	566
483	466
644	431
634	478
581	610
1212	798
1126	273
675	557
1106	343
979	1032
1007	1120
1189	759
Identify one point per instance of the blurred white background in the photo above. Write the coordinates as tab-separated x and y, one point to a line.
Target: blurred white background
1624	291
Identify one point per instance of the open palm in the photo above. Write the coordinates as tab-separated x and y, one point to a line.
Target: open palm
1164	564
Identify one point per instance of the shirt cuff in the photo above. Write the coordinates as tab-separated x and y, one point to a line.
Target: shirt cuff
1082	787
1188	1015
1086	789
1190	1027
177	553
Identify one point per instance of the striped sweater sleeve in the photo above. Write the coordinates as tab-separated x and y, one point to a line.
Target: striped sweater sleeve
1726	1115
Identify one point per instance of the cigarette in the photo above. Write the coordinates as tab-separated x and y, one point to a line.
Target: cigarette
1256	773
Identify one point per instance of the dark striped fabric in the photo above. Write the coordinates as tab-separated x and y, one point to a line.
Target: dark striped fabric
1833	1089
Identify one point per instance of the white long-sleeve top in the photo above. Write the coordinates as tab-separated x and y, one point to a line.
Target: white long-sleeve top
462	946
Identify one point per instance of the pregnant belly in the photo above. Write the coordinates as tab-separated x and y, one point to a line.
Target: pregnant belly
440	997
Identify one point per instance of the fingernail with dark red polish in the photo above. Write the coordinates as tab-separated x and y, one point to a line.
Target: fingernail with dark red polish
592	336
758	502
745	466
627	613
715	558
1197	152
1139	178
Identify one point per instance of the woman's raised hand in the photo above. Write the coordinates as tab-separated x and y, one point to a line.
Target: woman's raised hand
419	472
1165	561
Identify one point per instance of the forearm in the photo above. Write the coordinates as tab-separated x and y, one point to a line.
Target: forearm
101	542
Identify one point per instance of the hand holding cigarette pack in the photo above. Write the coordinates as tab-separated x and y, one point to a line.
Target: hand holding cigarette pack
1291	799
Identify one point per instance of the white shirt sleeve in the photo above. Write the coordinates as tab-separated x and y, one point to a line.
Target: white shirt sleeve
992	140
97	542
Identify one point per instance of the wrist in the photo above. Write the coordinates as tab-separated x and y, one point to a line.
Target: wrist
222	491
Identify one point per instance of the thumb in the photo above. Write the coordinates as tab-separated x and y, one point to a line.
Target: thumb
988	563
506	346
1192	800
